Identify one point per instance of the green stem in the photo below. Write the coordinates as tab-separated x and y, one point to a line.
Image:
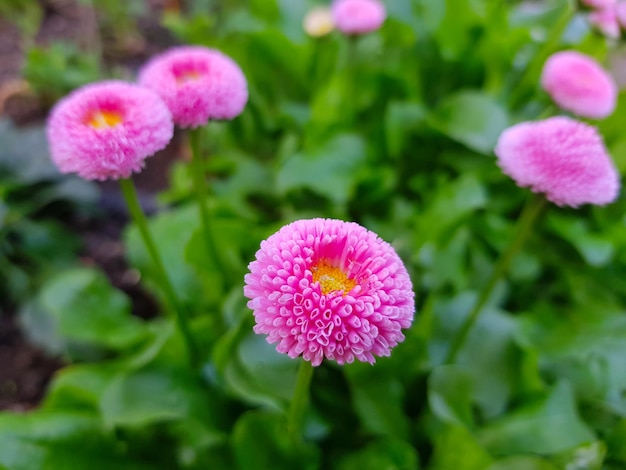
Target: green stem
300	398
532	71
198	176
138	216
529	214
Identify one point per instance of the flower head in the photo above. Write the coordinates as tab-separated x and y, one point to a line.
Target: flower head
598	3
358	16
325	288
605	20
579	84
197	84
106	130
561	157
318	22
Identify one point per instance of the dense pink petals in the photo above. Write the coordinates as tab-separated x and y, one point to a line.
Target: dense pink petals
197	84
358	16
561	157
106	130
292	309
577	83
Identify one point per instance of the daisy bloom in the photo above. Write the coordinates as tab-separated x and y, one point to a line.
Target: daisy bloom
358	16
598	3
106	130
197	84
620	13
324	288
605	20
318	22
577	83
561	157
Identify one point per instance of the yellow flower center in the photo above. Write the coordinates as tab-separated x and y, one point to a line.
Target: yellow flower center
332	279
187	76
102	119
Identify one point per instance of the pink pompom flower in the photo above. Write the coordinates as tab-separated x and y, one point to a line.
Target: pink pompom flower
324	288
605	20
598	3
106	130
358	16
561	157
198	84
577	83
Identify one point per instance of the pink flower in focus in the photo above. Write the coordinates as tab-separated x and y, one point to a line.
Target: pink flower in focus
106	130
358	16
579	84
605	20
197	84
325	288
561	157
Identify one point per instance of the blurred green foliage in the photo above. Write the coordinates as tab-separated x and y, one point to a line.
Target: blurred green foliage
394	130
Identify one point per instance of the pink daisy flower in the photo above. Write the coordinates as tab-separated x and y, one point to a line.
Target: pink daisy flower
620	13
605	20
598	3
325	288
358	16
106	130
197	84
561	157
577	83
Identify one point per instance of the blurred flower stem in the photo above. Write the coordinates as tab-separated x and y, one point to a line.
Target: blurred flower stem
198	176
130	195
529	78
300	399
529	214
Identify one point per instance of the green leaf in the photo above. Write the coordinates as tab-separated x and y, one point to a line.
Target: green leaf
549	427
79	386
152	395
493	365
595	249
171	232
260	440
253	370
401	120
388	454
450	394
457	449
523	463
328	170
85	308
62	440
378	400
471	118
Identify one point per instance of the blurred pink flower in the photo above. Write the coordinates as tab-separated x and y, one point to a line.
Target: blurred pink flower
325	288
605	20
620	13
577	83
598	3
197	84
561	157
106	130
358	16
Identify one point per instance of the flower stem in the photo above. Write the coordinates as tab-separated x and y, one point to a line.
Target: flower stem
130	195
300	398
529	77
529	214
198	176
